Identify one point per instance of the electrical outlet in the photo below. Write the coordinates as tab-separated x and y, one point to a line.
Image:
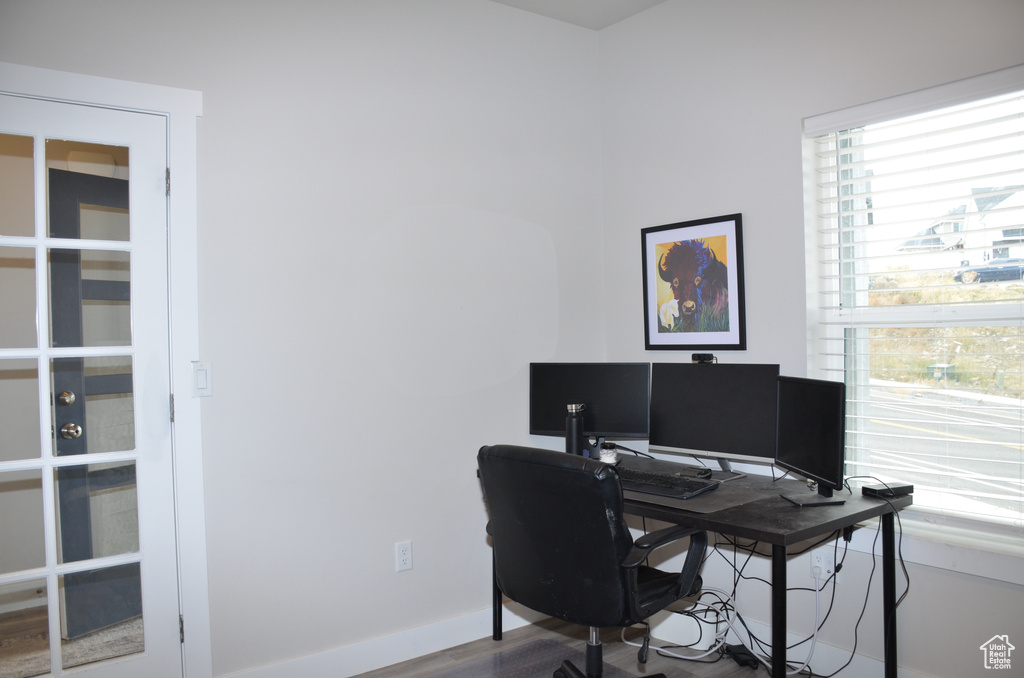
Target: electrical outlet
403	556
824	559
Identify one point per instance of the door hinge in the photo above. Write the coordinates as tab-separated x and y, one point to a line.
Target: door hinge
181	627
172	408
168	176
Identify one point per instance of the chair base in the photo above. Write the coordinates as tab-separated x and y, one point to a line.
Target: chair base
569	670
595	661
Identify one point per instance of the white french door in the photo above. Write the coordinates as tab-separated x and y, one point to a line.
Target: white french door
87	514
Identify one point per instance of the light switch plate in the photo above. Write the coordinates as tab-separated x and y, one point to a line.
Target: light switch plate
202	379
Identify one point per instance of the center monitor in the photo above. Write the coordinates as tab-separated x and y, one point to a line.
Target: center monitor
719	411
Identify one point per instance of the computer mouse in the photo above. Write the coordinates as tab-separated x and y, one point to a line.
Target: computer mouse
704	474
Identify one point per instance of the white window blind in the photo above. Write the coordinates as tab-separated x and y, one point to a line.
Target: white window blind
920	298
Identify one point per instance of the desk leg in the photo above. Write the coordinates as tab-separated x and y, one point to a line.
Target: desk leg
495	602
889	593
779	610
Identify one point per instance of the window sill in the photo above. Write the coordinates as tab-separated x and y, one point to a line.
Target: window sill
947	543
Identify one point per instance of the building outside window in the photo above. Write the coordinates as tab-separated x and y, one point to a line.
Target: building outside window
917	251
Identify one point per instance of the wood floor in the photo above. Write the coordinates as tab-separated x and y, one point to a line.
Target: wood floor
27	622
616	653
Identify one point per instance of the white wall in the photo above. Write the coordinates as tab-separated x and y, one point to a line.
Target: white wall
399	209
702	105
401	205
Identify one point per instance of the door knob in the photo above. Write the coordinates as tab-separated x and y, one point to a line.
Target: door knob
66	398
71	431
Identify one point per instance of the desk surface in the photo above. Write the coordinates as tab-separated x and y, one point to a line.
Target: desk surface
752	507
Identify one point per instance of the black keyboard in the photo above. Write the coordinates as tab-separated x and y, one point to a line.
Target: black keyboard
664	484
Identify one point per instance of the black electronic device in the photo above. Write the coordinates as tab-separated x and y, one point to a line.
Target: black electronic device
811	435
887	490
724	412
615	399
742	656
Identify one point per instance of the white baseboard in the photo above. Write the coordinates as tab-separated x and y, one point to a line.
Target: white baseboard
22	596
374	654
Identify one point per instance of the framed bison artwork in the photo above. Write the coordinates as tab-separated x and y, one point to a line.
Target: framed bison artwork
693	285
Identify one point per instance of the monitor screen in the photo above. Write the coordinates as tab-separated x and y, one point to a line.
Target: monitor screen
726	412
616	396
812	430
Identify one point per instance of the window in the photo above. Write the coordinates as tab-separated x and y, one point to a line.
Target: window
918	234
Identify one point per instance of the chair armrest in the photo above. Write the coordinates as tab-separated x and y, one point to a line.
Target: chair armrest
689	582
643	546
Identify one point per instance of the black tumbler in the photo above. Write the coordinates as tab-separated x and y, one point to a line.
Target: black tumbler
574	441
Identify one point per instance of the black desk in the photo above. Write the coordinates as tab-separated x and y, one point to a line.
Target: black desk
751	508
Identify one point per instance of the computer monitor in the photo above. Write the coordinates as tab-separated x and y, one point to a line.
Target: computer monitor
720	411
616	397
812	431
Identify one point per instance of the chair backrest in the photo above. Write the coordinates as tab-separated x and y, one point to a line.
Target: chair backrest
559	537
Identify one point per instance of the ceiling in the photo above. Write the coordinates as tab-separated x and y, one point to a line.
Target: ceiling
593	14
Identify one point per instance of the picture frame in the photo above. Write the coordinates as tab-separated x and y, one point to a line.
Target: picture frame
693	285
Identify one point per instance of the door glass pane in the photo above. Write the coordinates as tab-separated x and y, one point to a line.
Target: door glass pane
114	509
18	301
16	186
24	631
118	587
106	310
97	510
21	521
110	411
19	416
104	223
98	208
90	301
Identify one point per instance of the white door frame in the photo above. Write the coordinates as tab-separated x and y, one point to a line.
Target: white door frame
182	109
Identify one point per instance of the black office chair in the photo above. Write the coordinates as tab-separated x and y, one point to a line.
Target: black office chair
562	547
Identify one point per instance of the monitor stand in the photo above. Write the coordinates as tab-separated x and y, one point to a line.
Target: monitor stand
804	499
727	469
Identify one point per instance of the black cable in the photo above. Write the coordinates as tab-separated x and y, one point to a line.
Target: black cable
717	608
636	452
752	640
891	619
827	538
740	626
832	578
701	620
906	575
899	521
864	607
777	479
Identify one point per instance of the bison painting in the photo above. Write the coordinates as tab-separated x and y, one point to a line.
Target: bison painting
700	289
